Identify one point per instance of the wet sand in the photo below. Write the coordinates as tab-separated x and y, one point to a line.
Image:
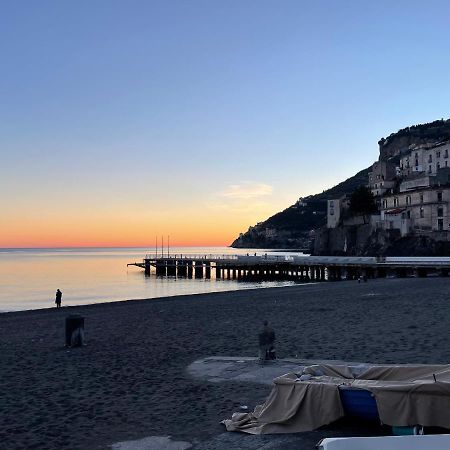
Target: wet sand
130	381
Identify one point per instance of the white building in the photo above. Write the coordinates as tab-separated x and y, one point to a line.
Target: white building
335	208
422	209
425	159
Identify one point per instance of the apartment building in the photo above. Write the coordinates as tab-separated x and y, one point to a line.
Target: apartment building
425	159
382	177
425	209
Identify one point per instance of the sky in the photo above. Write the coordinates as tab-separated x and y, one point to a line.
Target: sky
125	120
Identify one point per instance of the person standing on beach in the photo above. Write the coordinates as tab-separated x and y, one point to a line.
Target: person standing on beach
58	298
266	343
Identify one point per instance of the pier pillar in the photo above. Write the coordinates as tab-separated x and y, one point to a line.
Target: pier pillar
307	273
228	274
161	269
330	273
189	268
218	272
208	269
181	268
318	277
147	266
198	269
422	272
171	268
322	273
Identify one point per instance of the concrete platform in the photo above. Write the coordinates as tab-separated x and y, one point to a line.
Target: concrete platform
220	369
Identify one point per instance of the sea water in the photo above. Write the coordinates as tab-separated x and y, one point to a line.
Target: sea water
30	277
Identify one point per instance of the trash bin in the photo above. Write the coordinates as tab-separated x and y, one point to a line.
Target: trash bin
74	330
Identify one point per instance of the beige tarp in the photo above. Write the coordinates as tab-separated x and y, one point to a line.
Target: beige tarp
406	395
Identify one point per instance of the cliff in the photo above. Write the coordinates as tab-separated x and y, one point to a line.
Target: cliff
295	226
424	134
299	225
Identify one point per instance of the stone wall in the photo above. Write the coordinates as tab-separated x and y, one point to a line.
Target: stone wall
344	240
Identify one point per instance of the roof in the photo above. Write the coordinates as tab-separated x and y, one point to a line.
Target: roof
395	211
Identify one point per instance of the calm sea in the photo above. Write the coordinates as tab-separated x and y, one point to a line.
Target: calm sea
30	277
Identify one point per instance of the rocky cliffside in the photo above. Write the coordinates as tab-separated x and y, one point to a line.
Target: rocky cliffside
295	226
428	133
299	225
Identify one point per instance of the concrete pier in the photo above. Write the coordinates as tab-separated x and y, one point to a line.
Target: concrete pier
302	268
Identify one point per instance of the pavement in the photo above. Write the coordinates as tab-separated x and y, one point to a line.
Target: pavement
220	369
223	369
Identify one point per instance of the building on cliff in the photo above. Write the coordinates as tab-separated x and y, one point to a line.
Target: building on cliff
382	177
414	198
336	209
425	159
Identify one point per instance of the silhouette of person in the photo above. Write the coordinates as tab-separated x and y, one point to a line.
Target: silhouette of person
266	343
58	298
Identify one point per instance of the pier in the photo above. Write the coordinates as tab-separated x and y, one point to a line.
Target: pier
302	268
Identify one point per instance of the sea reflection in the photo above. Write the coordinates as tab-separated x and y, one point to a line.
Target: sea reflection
30	277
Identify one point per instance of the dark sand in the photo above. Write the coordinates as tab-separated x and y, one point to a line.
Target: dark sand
130	381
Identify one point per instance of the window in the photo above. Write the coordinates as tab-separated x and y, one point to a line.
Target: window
446	165
439	196
417	163
421	198
384	203
440	224
408	214
417	155
421	213
408	199
438	166
429	169
395	201
446	153
440	211
438	154
430	158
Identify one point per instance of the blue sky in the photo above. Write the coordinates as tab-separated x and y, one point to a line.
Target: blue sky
156	110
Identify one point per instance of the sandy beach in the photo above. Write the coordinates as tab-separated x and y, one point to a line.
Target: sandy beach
130	380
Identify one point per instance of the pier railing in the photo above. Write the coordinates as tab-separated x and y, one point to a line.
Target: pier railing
215	257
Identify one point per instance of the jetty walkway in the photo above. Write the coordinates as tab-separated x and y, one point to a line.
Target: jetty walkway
303	268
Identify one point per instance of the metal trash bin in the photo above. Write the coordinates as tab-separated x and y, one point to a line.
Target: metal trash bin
74	330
